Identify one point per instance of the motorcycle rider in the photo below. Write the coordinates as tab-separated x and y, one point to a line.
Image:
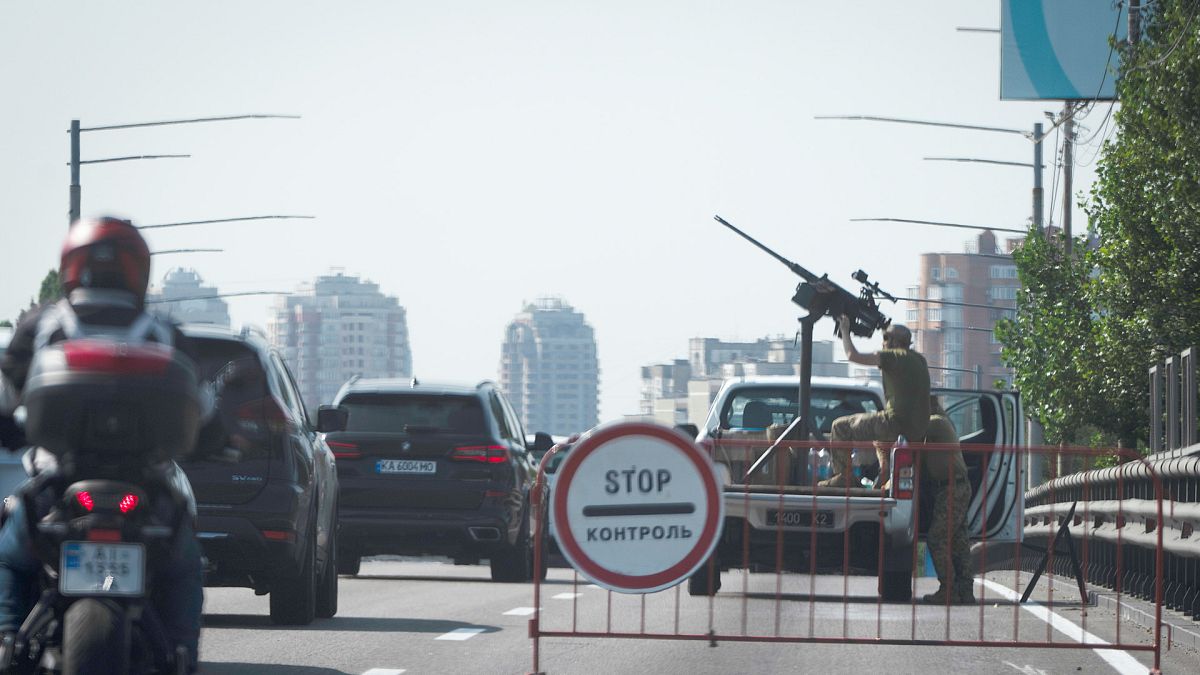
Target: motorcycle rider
105	272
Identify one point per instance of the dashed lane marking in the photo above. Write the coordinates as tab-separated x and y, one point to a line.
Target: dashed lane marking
460	634
567	596
384	671
520	611
1121	662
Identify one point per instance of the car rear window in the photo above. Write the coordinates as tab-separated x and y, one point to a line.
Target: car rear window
399	413
781	404
237	431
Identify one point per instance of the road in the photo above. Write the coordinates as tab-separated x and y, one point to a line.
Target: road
433	617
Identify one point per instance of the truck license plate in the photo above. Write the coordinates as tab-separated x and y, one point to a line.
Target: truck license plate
95	568
800	518
405	466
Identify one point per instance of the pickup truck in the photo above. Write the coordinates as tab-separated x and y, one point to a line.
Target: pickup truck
777	504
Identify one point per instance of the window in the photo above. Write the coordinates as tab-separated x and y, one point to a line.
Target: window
1003	272
951	273
912	315
1004	292
935	273
933	314
934	293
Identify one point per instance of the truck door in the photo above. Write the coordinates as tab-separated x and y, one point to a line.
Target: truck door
989	425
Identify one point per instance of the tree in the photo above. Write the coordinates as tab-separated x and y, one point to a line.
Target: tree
1088	328
6	324
51	290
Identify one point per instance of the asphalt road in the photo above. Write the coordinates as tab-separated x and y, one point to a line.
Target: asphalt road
433	617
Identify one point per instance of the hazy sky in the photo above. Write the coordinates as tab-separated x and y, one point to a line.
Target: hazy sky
469	156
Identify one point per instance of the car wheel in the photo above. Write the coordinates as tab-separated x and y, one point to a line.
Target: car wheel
706	580
327	586
895	583
294	598
514	563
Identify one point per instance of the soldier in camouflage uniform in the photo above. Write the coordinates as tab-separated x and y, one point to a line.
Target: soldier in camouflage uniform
945	472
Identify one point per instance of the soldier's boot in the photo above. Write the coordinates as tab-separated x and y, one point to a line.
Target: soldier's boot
843	476
964	592
883	453
940	597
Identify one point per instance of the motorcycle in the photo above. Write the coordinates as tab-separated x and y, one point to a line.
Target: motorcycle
105	507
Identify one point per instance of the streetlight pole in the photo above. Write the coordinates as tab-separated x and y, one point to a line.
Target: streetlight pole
75	130
221	220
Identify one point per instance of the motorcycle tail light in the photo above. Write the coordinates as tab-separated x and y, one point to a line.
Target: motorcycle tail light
98	534
128	503
84	498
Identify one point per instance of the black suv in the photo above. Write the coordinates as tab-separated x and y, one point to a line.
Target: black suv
265	482
432	469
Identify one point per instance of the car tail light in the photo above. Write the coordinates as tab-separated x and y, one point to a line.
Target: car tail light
279	535
97	534
485	454
117	357
344	450
85	500
128	503
902	472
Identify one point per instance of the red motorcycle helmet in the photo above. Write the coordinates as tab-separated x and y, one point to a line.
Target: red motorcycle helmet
105	252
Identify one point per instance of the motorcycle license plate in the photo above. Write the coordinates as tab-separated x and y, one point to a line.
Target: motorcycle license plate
102	568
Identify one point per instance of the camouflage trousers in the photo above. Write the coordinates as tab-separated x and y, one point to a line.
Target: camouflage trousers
947	540
870	426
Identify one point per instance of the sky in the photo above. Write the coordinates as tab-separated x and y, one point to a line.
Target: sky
470	157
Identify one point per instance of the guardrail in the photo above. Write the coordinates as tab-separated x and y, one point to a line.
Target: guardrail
1116	520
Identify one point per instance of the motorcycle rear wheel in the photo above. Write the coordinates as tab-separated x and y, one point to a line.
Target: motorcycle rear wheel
96	638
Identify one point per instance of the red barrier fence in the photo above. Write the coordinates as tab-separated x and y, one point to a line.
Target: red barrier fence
801	563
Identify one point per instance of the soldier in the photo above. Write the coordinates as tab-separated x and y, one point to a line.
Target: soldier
906	389
945	472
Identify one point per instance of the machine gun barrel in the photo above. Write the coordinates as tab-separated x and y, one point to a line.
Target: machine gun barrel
796	269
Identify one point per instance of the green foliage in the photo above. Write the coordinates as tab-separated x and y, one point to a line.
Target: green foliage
51	289
6	324
1087	329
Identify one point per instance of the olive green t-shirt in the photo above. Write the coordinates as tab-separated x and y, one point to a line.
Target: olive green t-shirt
937	464
906	388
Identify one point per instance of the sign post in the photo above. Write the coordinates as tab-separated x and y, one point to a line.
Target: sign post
636	507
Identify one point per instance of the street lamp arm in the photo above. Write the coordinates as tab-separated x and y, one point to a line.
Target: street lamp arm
1026	165
213	297
190	121
187	250
934	222
220	220
130	157
929	123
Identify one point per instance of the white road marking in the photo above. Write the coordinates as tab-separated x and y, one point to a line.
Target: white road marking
599	588
1121	662
460	634
567	596
1026	670
520	611
384	671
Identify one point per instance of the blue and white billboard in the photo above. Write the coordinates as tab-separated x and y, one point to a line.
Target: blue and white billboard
1059	49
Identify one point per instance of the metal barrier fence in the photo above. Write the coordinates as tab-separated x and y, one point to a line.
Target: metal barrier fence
1118	506
791	554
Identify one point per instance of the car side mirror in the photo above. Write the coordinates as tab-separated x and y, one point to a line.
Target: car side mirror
332	418
542	442
690	430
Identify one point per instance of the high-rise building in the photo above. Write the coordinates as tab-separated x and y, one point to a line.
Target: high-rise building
683	391
184	298
549	370
336	328
959	340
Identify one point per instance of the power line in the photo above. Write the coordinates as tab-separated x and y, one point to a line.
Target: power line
1178	39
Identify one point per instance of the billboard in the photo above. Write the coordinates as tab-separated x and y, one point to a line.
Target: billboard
1059	49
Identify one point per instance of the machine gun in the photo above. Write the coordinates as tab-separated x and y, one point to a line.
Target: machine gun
821	296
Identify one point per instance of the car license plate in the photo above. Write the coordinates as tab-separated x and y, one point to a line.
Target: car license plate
405	466
96	568
800	518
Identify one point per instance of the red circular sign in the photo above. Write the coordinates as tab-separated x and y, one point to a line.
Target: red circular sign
698	494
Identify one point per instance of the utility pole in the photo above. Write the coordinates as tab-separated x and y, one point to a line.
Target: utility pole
73	212
1068	166
1038	198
